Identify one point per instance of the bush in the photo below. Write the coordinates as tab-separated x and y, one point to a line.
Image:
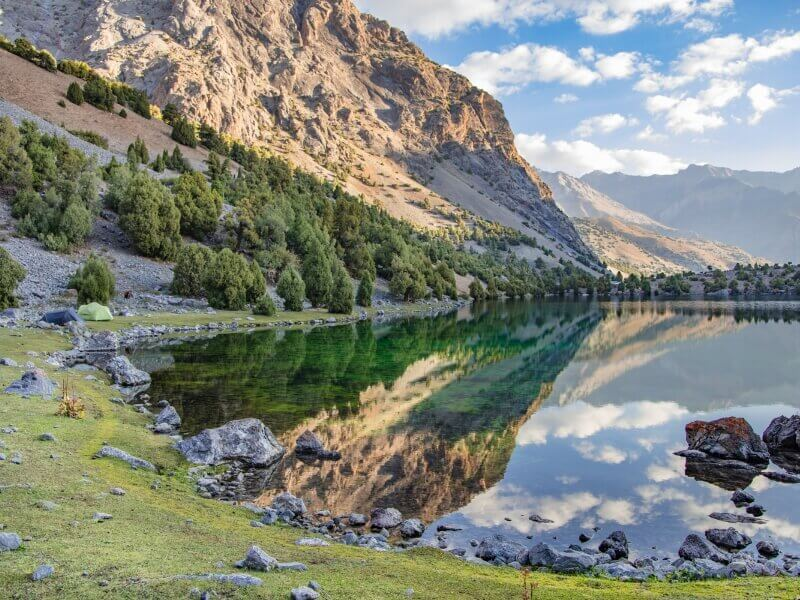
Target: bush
11	275
98	93
123	113
75	93
292	289
476	290
94	281
190	270
228	281
16	169
264	306
137	153
407	281
341	300
91	137
77	68
199	205
184	132
365	290
149	216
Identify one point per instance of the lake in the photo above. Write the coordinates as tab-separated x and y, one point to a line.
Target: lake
568	410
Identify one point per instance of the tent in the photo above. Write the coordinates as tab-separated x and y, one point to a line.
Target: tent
61	317
95	312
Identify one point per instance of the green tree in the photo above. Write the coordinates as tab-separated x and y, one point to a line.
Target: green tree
365	290
138	153
11	275
94	281
199	205
258	284
184	132
291	289
491	289
227	280
317	274
190	270
407	281
341	300
476	290
264	306
16	169
149	216
75	93
97	92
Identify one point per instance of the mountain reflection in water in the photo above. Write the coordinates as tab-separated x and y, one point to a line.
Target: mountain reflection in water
569	410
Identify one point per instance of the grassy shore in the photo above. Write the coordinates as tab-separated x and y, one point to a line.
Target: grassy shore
159	531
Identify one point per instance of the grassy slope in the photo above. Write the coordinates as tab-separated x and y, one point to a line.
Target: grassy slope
159	533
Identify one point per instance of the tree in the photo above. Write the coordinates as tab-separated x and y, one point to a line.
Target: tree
190	270
227	280
341	300
16	169
492	293
199	205
184	132
11	275
99	94
291	289
476	291
75	93
264	306
407	281
258	284
94	281
365	290
317	274
149	216
137	153
170	113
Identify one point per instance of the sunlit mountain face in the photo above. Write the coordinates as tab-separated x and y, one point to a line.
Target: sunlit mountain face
568	410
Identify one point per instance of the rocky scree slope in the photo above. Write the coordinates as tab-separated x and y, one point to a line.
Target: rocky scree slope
318	78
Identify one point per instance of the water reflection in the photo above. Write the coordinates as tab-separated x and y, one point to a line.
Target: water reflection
568	410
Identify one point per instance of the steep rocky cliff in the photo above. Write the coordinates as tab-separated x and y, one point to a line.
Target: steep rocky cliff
318	80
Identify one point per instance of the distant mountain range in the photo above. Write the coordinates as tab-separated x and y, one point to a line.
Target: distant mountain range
632	241
756	211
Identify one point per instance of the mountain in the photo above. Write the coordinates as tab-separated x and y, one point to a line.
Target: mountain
758	211
323	84
631	241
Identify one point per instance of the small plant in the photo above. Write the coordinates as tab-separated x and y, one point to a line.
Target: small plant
527	586
62	104
75	93
70	406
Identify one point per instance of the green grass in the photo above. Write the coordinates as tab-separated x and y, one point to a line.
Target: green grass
158	533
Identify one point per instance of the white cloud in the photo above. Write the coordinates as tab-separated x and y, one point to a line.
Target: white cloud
648	134
580	157
618	66
434	18
764	99
700	24
604	454
604	124
696	114
565	98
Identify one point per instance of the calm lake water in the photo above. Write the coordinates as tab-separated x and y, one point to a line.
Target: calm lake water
568	410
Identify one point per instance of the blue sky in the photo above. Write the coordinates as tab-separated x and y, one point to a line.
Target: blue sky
639	86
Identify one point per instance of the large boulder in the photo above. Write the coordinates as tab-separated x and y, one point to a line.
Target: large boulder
33	383
729	438
385	518
573	562
768	549
310	446
542	555
694	547
412	528
123	373
257	560
498	548
288	502
783	434
615	545
728	539
246	440
168	418
103	342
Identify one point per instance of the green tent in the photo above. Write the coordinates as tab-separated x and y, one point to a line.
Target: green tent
95	312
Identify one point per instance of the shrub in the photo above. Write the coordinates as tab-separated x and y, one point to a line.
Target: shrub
341	298
123	113
407	281
16	169
94	281
62	104
75	93
190	270
91	137
199	205
476	290
228	280
149	216
292	289
137	153
184	132
76	68
11	275
99	94
365	290
264	306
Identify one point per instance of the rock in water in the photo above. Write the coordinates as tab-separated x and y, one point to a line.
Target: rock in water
245	440
728	539
497	546
615	545
741	498
734	518
385	518
412	528
33	383
308	443
125	374
768	549
694	547
169	417
727	438
783	434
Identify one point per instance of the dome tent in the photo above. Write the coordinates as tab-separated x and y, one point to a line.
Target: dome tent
95	312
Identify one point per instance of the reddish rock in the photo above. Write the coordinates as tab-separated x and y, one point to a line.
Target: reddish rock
729	438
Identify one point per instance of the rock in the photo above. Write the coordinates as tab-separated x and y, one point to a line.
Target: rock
169	416
768	549
694	547
291	566
350	538
726	474
615	545
308	443
412	528
47	437
585	536
286	501
537	519
123	373
33	383
387	518
741	498
234	579
357	519
781	477
8	362
541	555
133	461
730	438
625	572
756	510
117	491
245	440
47	505
304	593
315	542
9	541
106	342
100	516
573	562
269	516
728	539
733	518
497	546
258	560
42	572
783	434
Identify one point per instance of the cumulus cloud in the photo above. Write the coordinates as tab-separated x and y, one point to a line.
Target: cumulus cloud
604	124
648	134
434	18
605	453
580	157
696	114
565	98
618	66
764	99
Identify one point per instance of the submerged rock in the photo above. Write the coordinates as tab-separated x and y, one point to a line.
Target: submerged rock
310	446
498	547
734	518
694	547
123	373
537	519
741	498
726	474
33	383
245	440
781	477
730	438
412	528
